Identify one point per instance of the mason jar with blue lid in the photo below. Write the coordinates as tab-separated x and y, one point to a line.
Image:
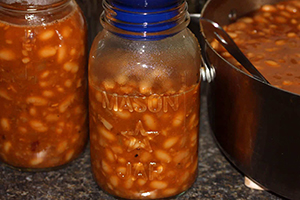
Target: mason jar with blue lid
144	99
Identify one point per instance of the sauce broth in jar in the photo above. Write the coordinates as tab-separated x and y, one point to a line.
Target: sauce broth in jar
43	119
144	143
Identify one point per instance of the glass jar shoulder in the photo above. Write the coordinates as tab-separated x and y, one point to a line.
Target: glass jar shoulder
171	62
183	42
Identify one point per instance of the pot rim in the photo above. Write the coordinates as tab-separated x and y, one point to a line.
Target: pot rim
230	64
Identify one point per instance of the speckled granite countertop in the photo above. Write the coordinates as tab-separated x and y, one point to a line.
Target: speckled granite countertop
217	178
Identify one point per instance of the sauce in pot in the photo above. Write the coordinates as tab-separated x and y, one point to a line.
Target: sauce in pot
270	38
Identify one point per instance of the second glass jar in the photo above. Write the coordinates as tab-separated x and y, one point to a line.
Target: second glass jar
43	83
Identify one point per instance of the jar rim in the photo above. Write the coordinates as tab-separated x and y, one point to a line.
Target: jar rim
31	5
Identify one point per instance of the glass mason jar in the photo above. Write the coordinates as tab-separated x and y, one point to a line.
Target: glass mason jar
43	83
144	100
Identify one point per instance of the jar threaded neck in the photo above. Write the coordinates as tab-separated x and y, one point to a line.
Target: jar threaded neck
144	23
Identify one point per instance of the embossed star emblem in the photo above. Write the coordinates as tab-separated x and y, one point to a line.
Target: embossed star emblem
139	138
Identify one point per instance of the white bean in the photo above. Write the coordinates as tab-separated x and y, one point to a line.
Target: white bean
146	157
180	156
272	63
145	87
7	55
150	121
117	149
291	35
170	191
291	8
121	172
170	142
110	155
122	160
52	117
124	114
48	93
98	96
45	74
269	8
141	182
62	146
246	20
47	52
121	79
7	146
71	67
38	126
73	52
287	83
114	180
106	168
106	123
109	84
107	134
37	101
5	124
163	156
66	103
280	19
24	53
69	155
32	111
22	129
61	54
46	35
4	95
158	184
178	119
26	60
68	83
66	32
128	183
185	176
36	161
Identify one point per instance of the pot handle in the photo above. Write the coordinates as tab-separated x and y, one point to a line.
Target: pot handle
207	71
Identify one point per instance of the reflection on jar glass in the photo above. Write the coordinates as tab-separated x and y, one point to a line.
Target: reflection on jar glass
43	83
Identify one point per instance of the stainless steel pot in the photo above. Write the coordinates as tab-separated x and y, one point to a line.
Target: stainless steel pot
257	126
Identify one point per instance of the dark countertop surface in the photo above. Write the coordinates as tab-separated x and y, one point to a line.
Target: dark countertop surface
217	178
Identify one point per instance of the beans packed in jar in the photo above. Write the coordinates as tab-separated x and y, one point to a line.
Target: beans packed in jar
43	86
144	101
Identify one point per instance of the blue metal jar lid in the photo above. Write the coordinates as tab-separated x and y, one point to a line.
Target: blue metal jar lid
144	16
